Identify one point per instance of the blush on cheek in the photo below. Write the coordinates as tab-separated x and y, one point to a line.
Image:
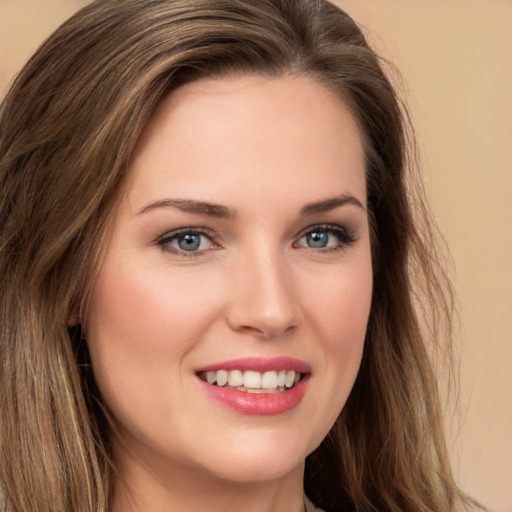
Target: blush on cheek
346	308
141	324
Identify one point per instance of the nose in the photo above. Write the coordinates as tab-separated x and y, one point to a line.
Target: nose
264	300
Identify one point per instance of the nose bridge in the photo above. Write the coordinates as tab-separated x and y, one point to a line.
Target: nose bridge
265	299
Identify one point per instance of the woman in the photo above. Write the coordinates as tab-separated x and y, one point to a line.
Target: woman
212	265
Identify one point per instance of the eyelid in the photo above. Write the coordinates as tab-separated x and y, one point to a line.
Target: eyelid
326	226
173	233
347	236
163	241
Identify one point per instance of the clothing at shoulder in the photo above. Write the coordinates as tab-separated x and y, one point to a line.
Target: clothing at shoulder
310	507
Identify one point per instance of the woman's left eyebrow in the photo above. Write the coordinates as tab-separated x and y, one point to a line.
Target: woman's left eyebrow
328	204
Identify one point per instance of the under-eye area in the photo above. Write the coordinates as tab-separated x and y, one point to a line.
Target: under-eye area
250	381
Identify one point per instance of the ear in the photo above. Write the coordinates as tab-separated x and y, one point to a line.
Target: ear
73	319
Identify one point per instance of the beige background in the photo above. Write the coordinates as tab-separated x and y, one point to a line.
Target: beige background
456	56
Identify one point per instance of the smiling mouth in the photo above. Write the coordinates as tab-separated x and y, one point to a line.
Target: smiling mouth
249	381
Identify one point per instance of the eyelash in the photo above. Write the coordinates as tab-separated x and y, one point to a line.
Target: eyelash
165	240
345	237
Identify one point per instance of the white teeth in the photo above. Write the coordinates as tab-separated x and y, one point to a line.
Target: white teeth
269	380
235	378
222	377
290	378
253	381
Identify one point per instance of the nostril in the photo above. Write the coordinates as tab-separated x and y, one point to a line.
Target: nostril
267	332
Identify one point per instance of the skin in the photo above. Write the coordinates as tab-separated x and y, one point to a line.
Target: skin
264	149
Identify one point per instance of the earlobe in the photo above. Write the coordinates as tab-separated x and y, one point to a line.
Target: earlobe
73	320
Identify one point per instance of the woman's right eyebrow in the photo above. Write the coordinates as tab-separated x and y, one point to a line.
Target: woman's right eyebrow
191	206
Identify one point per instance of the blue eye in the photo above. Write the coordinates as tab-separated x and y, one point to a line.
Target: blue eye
189	242
317	239
185	240
326	237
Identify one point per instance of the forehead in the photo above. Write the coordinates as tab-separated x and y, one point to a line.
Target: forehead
251	131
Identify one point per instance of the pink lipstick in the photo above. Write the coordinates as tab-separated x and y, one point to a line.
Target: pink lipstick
256	386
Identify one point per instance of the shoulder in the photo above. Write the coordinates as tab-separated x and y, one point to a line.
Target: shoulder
309	507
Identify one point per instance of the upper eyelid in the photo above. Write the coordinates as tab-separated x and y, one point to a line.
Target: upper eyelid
322	225
209	232
347	235
163	242
187	230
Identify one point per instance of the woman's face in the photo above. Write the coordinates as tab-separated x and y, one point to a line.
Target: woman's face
240	252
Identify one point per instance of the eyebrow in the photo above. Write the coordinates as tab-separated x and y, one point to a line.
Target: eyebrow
223	212
191	206
331	203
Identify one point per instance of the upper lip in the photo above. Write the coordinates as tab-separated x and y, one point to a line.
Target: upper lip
259	364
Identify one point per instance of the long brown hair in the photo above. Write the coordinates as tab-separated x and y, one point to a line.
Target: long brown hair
67	129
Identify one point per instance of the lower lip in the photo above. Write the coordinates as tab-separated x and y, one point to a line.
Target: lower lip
260	404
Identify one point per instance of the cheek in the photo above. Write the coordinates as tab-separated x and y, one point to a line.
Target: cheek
342	305
147	308
141	323
340	310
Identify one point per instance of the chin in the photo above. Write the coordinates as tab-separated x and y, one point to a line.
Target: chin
259	460
258	469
